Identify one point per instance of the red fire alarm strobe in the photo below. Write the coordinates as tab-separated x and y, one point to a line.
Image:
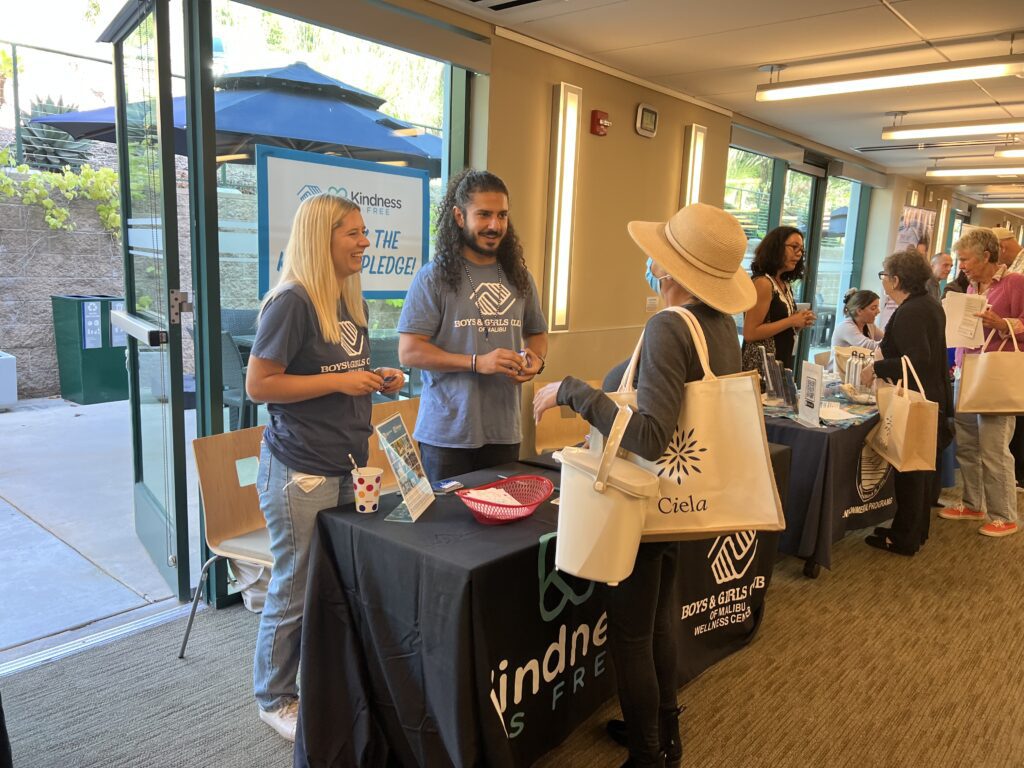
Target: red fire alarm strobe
599	122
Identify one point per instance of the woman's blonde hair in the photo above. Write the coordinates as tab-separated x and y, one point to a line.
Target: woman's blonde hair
308	262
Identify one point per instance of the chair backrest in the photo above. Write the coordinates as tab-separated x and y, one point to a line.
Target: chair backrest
231	363
560	426
823	358
409	410
229	508
240	322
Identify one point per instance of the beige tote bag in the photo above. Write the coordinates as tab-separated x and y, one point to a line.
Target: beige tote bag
716	475
907	430
993	382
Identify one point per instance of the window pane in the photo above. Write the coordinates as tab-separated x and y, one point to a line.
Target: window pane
835	260
748	189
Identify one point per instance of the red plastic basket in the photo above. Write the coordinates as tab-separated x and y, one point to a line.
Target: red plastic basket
529	490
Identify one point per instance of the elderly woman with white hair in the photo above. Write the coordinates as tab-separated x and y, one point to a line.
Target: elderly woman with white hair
983	440
697	261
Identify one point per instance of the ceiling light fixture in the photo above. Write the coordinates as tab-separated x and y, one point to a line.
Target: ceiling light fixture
1009	204
952	72
1010	152
969	128
991	171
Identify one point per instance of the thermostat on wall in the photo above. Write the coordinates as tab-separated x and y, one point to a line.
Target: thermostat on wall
646	120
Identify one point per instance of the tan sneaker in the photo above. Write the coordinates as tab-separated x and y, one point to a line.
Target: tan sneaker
961	513
998	528
283	719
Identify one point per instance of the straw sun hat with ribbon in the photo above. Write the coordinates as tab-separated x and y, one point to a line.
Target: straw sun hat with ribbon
702	248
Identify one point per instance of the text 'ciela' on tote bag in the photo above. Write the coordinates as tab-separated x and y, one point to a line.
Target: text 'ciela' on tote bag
716	474
993	382
908	425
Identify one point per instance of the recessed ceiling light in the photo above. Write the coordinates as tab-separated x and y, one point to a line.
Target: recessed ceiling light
1007	172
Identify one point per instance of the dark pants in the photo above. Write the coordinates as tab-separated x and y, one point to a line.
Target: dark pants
441	463
1017	449
642	623
913	508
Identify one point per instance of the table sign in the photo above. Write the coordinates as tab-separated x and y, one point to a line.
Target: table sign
417	494
811	379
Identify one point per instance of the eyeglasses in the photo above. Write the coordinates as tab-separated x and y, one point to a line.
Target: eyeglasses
796	248
882	274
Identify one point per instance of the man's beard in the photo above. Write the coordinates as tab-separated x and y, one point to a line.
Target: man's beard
469	240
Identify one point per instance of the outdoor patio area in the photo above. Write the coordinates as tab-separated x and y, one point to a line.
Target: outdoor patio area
70	562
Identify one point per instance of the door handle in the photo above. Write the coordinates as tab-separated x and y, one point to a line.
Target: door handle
149	334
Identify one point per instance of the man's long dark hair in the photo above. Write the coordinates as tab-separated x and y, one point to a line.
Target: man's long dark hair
449	240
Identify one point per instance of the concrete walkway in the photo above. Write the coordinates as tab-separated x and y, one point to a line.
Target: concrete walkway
69	556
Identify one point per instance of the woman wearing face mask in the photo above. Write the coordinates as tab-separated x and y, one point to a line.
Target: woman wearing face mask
697	264
773	322
859	329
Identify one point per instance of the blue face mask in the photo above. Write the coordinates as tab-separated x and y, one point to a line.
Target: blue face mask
652	281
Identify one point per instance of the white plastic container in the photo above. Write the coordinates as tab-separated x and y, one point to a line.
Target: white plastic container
598	539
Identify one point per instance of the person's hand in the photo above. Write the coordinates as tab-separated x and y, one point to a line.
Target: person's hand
545	399
358	383
397	380
500	361
867	375
990	320
531	367
802	319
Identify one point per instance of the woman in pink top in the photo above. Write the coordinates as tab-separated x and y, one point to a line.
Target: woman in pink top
983	440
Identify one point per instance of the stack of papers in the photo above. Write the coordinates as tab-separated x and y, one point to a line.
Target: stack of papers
963	326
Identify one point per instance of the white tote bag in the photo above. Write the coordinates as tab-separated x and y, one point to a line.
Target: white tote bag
716	474
908	425
991	382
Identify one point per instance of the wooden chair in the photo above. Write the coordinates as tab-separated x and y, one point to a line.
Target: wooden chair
235	526
381	411
559	427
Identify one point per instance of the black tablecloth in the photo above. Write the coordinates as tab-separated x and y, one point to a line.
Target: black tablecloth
450	643
836	487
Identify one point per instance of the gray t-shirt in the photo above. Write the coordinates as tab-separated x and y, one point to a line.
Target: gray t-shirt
314	436
461	409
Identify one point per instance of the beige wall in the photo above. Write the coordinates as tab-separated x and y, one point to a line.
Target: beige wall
622	176
990	217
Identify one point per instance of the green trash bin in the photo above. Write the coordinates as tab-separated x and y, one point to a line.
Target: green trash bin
90	351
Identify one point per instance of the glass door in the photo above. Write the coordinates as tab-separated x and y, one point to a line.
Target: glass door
153	303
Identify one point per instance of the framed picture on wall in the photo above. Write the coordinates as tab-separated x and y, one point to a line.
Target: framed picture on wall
916	230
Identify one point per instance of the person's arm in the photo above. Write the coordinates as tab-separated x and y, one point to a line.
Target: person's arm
267	382
849	335
754	326
416	351
536	354
664	361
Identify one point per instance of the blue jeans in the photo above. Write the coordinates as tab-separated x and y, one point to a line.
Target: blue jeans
290	512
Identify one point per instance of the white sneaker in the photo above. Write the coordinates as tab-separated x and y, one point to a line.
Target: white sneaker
283	719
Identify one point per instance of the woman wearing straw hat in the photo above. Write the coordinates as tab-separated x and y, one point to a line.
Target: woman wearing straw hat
697	257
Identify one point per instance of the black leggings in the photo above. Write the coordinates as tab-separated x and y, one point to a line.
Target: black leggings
642	631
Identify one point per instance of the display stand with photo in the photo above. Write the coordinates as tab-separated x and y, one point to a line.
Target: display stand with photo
398	446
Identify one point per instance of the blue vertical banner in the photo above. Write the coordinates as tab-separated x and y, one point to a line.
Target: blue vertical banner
394	201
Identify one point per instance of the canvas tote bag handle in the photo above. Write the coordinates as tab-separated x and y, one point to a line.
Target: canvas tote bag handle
905	381
699	342
611	447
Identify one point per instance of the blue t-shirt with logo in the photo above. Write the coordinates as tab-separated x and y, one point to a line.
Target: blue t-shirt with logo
461	409
314	436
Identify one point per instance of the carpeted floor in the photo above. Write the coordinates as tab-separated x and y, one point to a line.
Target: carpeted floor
888	661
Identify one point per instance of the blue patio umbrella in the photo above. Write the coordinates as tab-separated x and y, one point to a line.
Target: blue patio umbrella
293	106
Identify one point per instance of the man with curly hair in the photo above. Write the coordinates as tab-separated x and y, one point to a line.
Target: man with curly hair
472	323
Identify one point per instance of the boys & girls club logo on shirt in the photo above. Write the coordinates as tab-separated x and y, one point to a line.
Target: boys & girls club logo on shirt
351	341
731	556
492	299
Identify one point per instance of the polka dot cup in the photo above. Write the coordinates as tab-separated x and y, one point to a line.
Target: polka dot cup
366	486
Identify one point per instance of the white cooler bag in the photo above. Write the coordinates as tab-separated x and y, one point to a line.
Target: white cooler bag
604	500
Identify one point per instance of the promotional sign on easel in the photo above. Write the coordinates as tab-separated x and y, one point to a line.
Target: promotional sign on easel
811	380
398	446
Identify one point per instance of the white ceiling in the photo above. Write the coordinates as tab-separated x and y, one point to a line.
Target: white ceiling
712	50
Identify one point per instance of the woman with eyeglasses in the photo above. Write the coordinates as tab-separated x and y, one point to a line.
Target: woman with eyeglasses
773	322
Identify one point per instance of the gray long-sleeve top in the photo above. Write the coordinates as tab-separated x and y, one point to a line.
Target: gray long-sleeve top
668	360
